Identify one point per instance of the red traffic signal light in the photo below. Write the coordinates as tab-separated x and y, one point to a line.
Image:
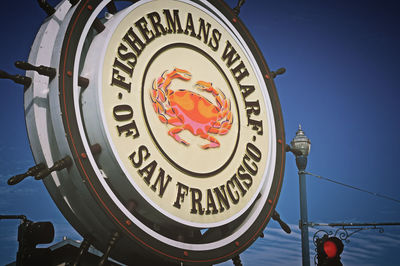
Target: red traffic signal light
329	250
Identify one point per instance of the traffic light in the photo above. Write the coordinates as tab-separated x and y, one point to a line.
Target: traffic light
329	250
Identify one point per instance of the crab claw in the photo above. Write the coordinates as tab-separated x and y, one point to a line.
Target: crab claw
203	84
180	73
207	86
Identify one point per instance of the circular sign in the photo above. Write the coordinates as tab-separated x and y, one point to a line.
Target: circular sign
180	109
181	103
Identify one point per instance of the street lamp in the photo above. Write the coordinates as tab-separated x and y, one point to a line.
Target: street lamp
300	146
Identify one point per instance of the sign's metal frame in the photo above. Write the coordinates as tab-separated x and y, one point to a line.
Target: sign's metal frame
77	190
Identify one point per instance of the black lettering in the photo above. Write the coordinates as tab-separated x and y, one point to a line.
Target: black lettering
196	201
134	41
148	171
155	20
211	203
127	56
252	170
180	196
118	64
205	29
148	35
239	185
252	107
214	41
119	81
253	152
256	125
142	155
160	180
129	129
230	54
173	23
222	198
246	90
239	72
122	112
244	176
230	185
190	26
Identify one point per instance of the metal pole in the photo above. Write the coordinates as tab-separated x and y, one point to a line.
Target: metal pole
305	248
301	148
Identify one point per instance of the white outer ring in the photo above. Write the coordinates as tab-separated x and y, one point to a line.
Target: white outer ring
272	151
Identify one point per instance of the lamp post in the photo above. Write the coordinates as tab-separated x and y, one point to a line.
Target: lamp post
300	145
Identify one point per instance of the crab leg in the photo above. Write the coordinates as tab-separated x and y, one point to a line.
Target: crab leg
175	121
213	141
173	132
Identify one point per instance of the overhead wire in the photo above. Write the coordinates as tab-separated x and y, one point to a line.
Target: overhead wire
353	187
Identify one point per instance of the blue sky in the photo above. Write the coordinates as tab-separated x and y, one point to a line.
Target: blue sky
342	60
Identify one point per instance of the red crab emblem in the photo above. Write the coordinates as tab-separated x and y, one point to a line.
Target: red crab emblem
187	110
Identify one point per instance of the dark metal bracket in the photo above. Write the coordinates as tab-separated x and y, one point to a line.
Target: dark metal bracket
42	70
285	227
31	172
46	7
114	238
343	233
236	260
84	247
57	166
236	10
277	72
26	81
